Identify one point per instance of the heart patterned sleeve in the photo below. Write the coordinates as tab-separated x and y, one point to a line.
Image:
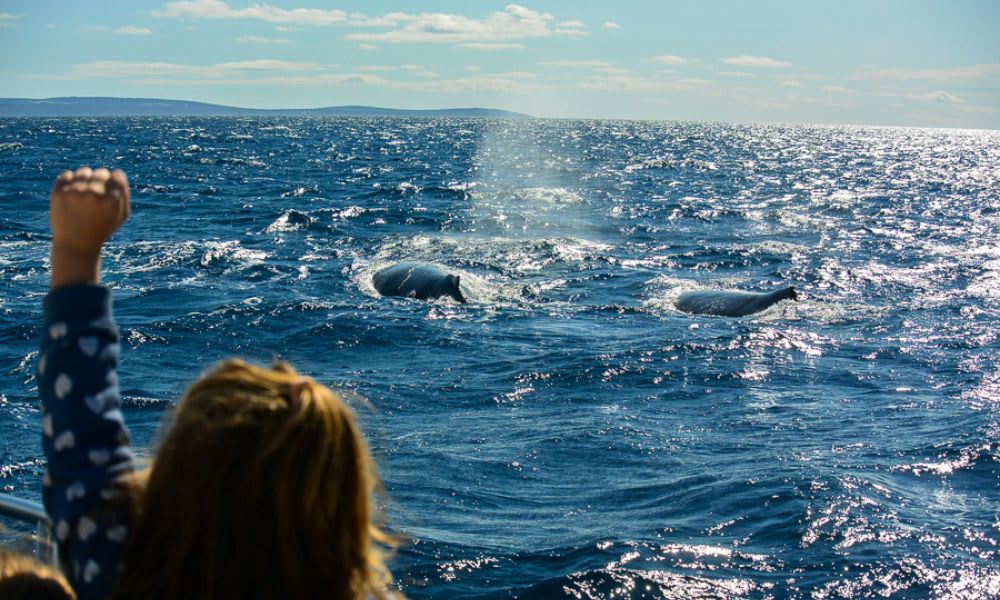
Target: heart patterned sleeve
84	437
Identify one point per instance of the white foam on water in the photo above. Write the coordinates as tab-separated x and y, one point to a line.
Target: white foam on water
232	251
290	220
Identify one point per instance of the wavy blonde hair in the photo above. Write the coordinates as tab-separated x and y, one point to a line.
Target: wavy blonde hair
24	578
263	487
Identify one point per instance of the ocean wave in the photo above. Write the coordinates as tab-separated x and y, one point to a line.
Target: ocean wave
290	220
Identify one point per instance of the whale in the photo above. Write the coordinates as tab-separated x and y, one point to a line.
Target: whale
726	303
420	280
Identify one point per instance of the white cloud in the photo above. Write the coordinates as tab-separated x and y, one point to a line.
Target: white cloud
268	65
392	19
517	75
7	16
513	23
693	81
969	73
614	70
584	64
118	68
755	61
937	96
253	39
611	25
737	74
637	83
217	9
571	32
669	59
368	46
276	72
792	83
486	83
133	30
499	82
837	89
491	45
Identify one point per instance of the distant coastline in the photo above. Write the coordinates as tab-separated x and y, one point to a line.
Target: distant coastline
153	107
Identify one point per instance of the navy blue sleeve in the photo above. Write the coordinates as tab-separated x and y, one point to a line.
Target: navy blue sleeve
84	436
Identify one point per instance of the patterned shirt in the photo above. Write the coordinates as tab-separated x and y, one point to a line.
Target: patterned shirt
84	436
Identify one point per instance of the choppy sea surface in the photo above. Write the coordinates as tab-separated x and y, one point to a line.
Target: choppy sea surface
568	433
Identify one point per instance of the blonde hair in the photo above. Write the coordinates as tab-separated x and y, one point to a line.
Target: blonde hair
22	577
263	487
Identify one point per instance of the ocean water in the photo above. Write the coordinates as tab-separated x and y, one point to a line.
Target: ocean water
567	433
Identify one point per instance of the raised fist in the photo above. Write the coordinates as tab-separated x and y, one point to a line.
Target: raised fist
86	207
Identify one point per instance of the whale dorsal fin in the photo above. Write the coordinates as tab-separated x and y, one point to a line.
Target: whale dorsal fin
456	291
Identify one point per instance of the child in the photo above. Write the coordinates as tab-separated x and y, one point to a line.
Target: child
262	487
24	578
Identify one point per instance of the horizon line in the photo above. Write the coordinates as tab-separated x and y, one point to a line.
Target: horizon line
466	108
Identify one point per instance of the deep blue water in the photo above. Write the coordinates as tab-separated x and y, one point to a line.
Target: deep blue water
568	434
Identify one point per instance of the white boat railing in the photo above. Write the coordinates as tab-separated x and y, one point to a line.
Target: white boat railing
26	511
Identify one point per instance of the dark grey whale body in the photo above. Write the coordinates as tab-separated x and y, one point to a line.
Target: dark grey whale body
424	281
730	304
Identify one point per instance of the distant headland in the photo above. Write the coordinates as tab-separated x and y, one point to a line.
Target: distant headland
152	107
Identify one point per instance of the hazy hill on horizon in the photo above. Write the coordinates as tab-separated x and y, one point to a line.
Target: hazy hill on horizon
154	107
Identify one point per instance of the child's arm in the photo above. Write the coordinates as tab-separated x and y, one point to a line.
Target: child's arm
84	437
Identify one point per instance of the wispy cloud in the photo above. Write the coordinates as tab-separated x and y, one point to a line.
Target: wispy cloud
117	68
419	70
936	96
638	83
8	16
217	9
491	45
956	74
133	30
393	19
837	89
488	83
614	70
513	23
755	61
736	74
611	25
267	72
254	39
499	83
668	59
582	64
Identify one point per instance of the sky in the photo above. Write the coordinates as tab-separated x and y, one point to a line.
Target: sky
872	62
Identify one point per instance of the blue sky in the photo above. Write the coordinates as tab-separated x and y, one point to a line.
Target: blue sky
882	62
